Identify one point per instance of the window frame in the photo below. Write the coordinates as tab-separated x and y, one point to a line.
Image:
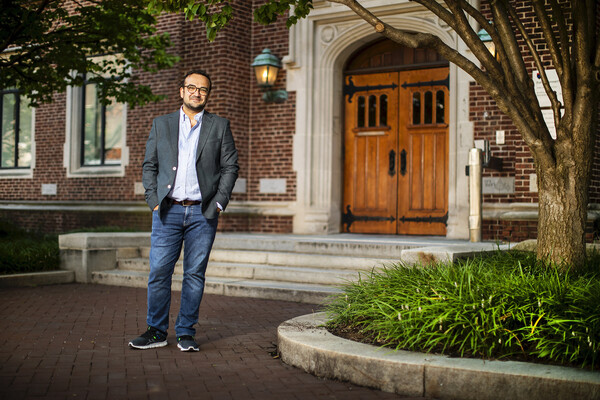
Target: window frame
19	172
74	144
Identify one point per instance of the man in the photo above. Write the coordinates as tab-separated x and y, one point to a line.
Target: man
189	171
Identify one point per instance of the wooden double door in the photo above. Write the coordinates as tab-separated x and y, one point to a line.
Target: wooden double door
396	152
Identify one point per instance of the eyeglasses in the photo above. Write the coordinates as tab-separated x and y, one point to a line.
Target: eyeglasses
191	89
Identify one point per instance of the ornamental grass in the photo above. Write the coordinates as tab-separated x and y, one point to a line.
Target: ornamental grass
506	305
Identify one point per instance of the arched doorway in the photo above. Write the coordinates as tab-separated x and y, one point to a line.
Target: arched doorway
396	141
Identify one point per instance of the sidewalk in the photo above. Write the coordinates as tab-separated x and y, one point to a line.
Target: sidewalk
70	342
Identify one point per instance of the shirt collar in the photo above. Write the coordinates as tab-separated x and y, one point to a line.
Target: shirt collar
183	116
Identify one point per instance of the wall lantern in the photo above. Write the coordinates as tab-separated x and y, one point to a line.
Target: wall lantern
487	40
266	66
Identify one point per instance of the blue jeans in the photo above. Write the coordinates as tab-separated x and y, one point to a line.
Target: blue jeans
179	224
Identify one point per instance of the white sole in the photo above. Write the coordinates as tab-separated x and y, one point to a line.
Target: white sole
150	346
191	348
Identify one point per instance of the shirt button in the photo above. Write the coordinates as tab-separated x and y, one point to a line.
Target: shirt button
169	187
174	168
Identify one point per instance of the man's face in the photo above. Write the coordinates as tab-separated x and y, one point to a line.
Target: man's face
195	101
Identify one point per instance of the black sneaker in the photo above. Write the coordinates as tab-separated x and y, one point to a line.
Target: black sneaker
187	343
150	339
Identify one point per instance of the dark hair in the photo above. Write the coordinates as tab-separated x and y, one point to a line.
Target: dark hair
197	72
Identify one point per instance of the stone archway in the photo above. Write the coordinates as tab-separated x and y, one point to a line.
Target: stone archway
318	52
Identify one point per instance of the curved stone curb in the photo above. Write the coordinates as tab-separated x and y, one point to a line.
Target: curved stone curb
305	344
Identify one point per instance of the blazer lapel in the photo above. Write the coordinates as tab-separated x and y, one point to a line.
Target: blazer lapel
173	126
207	121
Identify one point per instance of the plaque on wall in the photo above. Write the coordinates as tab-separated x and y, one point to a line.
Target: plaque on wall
498	185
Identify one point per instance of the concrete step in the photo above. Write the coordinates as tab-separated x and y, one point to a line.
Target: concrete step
264	289
318	276
297	259
376	246
324	276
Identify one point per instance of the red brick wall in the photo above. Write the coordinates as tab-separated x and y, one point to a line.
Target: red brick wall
263	132
517	231
255	223
595	182
272	125
60	222
516	158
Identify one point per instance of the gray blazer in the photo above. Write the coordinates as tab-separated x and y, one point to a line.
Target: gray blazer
216	164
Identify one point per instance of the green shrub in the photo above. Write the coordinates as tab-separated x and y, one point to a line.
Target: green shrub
22	251
505	306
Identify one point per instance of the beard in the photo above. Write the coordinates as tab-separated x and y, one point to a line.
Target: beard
196	107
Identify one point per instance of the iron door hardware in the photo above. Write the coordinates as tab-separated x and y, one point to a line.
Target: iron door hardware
429	219
348	218
403	162
441	82
350	89
392	168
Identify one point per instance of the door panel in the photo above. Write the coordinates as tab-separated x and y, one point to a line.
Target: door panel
396	152
423	132
371	140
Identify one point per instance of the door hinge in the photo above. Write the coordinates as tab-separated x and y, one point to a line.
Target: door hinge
348	218
350	89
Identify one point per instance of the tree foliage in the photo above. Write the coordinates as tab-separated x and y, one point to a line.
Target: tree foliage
48	45
215	14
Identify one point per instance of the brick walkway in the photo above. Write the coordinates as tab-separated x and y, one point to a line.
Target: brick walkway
70	342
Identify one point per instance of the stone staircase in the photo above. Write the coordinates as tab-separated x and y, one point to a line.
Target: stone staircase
296	268
300	269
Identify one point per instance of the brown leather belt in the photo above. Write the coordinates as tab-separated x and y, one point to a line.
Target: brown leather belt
187	203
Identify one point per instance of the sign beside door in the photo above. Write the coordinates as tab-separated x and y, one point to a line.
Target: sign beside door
396	152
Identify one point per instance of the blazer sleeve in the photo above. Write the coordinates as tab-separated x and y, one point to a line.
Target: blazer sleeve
150	169
229	168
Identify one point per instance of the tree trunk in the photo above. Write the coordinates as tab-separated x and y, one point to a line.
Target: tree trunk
563	204
562	218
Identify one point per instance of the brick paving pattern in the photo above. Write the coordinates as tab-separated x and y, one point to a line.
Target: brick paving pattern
70	342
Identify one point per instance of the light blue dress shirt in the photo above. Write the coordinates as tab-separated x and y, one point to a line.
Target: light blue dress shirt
186	180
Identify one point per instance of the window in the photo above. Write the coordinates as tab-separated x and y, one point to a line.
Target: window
95	134
440	107
416	108
16	124
426	112
101	131
373	108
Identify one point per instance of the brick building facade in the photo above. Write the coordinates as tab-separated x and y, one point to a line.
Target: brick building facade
291	154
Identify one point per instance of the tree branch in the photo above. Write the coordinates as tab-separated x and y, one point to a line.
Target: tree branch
509	42
15	33
538	63
566	74
502	57
581	40
472	40
559	53
521	85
